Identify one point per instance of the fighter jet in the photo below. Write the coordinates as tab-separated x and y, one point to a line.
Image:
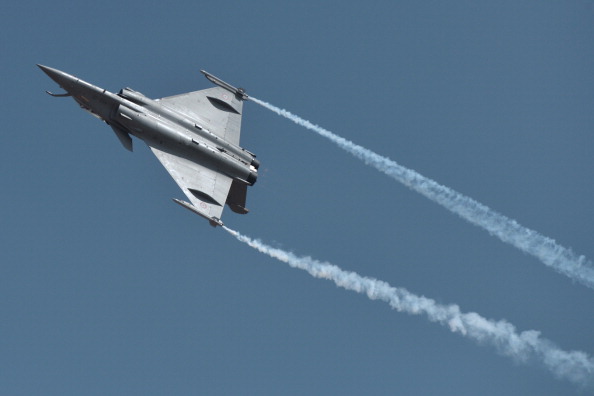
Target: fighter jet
195	135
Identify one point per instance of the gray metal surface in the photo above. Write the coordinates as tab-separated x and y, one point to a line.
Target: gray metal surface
194	135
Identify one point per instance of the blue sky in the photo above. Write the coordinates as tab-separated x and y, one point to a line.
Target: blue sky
107	287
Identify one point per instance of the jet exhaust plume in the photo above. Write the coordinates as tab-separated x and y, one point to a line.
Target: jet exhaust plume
524	347
562	259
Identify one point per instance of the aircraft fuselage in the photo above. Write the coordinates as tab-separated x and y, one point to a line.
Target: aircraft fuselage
130	112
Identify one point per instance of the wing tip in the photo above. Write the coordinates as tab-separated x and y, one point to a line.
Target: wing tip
212	220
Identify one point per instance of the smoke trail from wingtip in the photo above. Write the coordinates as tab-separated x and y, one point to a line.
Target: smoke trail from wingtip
524	347
562	259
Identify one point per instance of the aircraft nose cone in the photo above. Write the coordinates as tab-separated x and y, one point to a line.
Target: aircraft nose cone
42	67
52	73
63	79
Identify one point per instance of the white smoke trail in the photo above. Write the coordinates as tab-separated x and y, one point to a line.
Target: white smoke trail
574	366
562	259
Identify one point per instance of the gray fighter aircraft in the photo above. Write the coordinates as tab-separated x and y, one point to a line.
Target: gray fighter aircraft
195	135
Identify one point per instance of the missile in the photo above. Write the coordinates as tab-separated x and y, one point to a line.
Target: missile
212	220
239	92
